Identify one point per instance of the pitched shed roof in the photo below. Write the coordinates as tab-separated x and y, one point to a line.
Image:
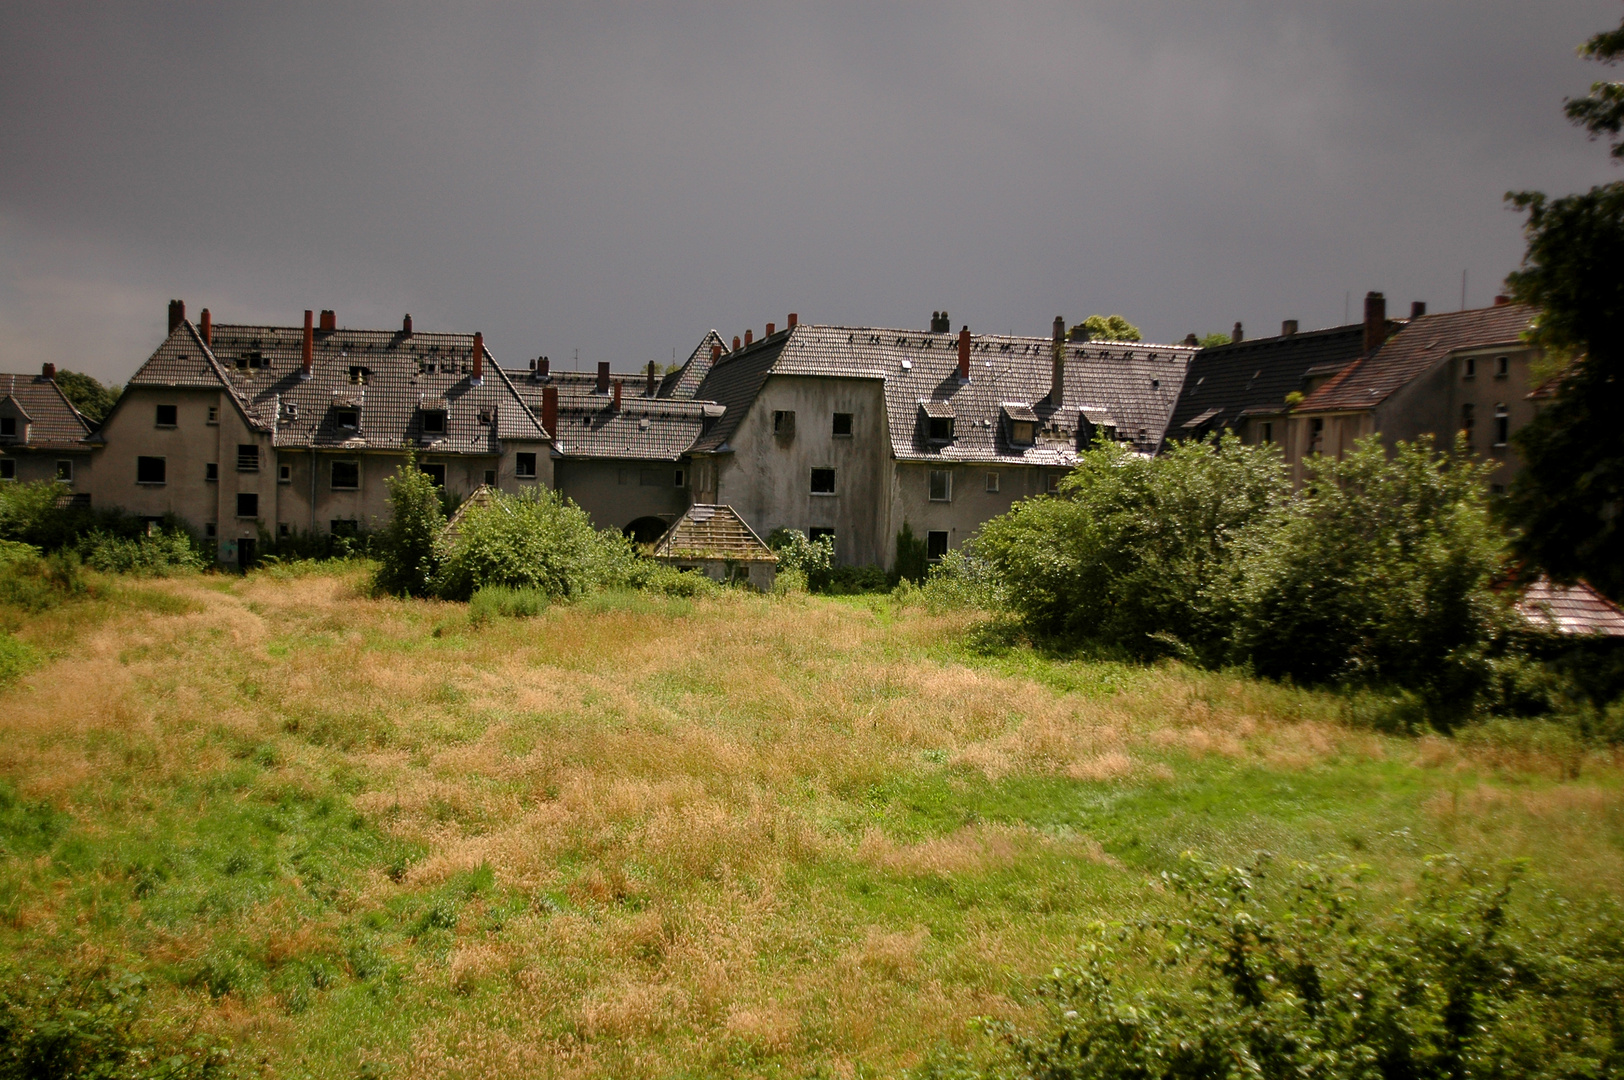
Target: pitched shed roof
706	532
387	375
1574	609
1227	381
1423	343
53	422
1135	383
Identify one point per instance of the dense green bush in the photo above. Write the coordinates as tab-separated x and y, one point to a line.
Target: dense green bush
1137	552
408	548
1380	572
965	578
913	556
796	552
537	540
1314	980
157	554
498	601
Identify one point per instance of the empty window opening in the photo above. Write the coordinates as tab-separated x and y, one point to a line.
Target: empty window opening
434	472
149	470
823	481
8	469
1469	368
284	474
1051	483
682	479
992	483
282	528
1268	432
1502	366
1502	424
818	532
434	421
167	415
490	477
359	376
842	425
210	530
1316	434
248	457
248	504
784	423
941	429
8	426
250	360
211	470
524	466
64	471
214	414
346	475
1468	420
941	485
936	545
347	419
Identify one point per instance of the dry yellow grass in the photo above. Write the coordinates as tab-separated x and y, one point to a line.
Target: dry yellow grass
721	838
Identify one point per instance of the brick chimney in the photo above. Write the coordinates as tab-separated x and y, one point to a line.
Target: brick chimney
177	314
549	410
716	353
1418	308
735	343
653	381
206	328
47	370
307	359
1237	334
544	367
329	321
747	337
964	354
602	386
1288	328
479	356
1375	321
1057	369
1502	300
770	328
794	320
616	405
406	326
1191	340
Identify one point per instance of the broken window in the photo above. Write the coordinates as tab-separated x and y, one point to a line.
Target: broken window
149	470
823	481
1268	432
817	532
248	457
166	415
941	485
524	466
941	429
247	504
936	545
1021	432
434	472
346	475
8	426
347	419
8	469
784	424
359	375
682	479
490	477
433	421
64	471
211	470
842	425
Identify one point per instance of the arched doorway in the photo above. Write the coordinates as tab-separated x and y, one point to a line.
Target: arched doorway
646	530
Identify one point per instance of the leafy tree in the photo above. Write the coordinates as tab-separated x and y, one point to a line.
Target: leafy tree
409	546
538	540
1568	503
1105	328
1136	553
1212	341
87	394
1379	572
913	556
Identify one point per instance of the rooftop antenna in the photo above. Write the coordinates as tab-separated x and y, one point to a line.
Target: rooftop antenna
1347	298
577	364
1463	290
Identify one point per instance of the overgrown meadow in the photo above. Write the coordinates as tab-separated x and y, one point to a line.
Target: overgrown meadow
335	835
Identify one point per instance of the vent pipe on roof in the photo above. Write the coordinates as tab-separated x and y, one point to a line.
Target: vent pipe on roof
307	356
1288	328
206	328
616	405
406	326
1057	370
1237	334
177	314
479	357
549	410
1418	308
653	382
964	354
794	320
1375	321
329	320
47	370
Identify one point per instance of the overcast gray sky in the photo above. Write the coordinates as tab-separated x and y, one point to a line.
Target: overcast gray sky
618	178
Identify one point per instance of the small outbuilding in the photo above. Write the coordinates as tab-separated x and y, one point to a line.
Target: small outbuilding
715	541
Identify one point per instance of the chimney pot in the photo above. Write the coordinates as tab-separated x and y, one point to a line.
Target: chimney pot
1288	328
747	337
1418	308
735	343
308	355
1191	340
1502	300
1237	334
716	353
47	370
770	328
653	381
329	321
1059	328
793	321
1375	321
549	410
177	314
964	354
206	330
602	386
544	367
406	326
617	395
479	356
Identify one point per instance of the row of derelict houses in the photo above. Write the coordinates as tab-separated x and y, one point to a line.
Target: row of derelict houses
251	432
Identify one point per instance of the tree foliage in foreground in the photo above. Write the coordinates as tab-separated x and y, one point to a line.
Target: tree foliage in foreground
1318	982
1568	503
408	547
87	394
1105	328
536	540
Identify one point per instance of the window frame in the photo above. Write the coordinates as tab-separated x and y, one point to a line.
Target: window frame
441	421
64	465
812	486
251	495
146	460
850	425
783	423
211	472
1502	425
158	420
347	418
332	480
243	457
993	483
939	430
1469	371
931	542
213	415
1502	367
947	485
434	470
519	465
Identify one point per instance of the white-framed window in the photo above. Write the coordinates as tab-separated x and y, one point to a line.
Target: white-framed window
941	485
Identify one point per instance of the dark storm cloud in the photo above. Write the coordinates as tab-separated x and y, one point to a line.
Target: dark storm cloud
618	178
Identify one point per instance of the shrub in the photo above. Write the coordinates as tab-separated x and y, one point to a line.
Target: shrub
651	575
850	580
537	540
1137	552
497	601
1379	572
913	557
1323	985
17	658
408	548
796	552
965	578
156	555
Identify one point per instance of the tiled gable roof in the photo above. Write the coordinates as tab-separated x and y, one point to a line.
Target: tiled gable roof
52	419
395	378
693	371
1226	381
712	532
650	429
1422	344
1134	383
1575	609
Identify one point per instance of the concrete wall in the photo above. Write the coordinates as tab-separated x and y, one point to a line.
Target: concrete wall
971	503
768	479
1435	404
32	463
1337	437
616	492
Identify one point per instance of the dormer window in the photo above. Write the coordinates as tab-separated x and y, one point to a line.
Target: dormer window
434	421
1022	423
8	427
938	421
250	360
941	429
347	419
